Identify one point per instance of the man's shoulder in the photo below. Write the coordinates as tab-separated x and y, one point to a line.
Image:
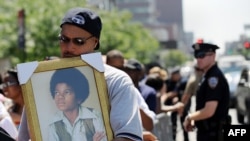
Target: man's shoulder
215	71
112	71
116	78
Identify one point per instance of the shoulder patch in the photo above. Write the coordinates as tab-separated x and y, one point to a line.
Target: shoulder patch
212	82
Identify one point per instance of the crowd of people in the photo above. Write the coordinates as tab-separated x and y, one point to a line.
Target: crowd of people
136	92
11	102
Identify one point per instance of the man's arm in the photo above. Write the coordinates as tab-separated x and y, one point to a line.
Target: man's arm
147	121
124	113
206	112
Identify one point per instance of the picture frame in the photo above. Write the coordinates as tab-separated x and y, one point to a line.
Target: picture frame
34	78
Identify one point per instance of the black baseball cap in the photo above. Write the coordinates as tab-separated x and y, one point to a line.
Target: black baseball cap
133	64
84	18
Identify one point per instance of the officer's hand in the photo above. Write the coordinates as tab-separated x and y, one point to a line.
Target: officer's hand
188	124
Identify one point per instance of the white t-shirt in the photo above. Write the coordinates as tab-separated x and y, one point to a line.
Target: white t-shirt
6	122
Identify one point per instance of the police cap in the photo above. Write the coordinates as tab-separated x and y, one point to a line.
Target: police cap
200	49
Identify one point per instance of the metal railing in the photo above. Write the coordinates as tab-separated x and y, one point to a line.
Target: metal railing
163	127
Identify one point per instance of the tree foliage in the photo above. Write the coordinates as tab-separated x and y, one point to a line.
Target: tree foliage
42	20
174	58
131	38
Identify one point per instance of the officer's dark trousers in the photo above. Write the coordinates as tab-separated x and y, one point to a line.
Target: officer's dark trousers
174	123
182	118
209	136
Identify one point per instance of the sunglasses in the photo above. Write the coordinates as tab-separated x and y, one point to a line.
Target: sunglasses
202	55
79	41
8	84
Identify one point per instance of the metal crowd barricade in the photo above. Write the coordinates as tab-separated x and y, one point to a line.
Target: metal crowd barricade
163	127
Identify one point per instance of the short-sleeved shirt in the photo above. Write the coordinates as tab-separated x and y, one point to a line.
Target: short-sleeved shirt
149	95
213	87
124	114
78	130
6	121
177	87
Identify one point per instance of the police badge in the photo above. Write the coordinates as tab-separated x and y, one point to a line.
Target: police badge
197	47
212	82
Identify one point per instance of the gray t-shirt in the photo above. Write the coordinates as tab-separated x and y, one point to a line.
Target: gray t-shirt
124	114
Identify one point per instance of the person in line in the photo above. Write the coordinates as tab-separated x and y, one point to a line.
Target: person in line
175	88
80	34
6	123
115	58
160	71
73	121
156	81
189	91
191	87
156	75
135	70
12	90
212	97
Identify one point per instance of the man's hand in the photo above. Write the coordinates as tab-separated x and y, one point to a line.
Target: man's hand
148	136
188	124
179	106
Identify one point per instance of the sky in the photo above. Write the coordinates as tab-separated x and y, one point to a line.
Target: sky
216	21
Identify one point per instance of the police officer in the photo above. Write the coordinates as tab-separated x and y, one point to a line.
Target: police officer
212	99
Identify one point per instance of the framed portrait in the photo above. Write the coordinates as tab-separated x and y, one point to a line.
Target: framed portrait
66	98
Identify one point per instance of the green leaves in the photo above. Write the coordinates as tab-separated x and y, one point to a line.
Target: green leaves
42	20
174	58
134	40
